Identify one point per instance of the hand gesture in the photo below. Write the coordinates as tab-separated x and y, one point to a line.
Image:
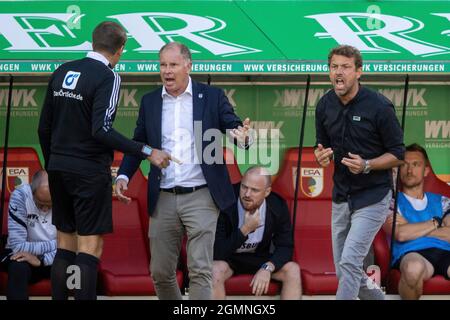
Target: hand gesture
121	186
160	158
355	163
251	222
323	156
241	132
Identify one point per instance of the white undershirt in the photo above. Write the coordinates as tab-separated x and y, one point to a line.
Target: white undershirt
255	237
177	139
418	204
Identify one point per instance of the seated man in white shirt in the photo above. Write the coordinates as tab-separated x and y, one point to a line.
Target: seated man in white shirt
422	235
31	244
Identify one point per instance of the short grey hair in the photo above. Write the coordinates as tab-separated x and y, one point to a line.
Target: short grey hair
39	179
262	171
184	50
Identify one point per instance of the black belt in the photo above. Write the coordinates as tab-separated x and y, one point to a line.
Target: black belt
183	190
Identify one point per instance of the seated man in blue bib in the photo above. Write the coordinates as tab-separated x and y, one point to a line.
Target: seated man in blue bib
422	235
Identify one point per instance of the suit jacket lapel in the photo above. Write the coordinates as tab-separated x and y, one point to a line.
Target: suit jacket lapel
198	101
198	106
268	223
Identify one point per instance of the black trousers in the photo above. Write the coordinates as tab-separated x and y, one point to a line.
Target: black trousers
20	275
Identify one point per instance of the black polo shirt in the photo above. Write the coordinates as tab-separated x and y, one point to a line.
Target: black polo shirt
366	126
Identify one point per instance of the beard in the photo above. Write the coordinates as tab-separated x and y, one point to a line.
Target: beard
249	205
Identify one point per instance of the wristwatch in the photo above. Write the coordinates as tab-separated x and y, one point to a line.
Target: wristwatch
367	167
147	150
438	221
268	267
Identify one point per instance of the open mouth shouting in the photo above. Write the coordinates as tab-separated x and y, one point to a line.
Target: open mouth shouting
169	81
339	84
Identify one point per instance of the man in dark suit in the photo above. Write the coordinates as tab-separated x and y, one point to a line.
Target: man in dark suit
187	194
246	233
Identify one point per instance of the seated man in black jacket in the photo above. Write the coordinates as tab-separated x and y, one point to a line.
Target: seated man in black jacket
255	236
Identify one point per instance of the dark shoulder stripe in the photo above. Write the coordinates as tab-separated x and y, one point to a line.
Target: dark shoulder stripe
15	218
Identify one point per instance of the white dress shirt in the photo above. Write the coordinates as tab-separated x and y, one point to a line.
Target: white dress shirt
177	134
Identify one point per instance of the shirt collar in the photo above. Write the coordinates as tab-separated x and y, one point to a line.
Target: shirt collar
188	90
356	98
99	57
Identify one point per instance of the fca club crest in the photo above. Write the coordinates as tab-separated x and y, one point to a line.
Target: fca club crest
16	177
311	181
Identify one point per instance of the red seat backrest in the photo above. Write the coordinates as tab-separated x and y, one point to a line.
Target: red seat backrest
436	185
313	246
137	188
23	163
125	251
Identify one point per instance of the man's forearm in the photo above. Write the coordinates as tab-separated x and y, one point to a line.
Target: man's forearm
442	233
411	231
385	161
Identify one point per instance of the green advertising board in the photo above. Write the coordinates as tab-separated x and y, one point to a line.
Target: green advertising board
250	37
276	107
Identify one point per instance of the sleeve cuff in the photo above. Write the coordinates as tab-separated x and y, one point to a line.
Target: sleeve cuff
124	177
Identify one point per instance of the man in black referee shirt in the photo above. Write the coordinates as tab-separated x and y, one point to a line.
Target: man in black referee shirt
77	141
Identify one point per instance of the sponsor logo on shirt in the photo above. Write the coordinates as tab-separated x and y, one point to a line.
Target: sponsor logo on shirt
67	94
71	80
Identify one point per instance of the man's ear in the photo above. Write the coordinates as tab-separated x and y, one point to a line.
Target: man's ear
427	171
121	49
359	72
267	192
189	66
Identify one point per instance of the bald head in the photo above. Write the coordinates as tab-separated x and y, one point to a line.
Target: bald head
182	49
41	191
260	172
255	187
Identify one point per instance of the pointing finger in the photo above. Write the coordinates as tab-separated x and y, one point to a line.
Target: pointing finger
176	160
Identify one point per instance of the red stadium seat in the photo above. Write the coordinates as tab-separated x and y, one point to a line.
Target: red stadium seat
434	286
312	244
137	188
41	288
124	267
239	285
23	163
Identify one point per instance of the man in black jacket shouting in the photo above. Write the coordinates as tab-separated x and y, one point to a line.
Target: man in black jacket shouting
255	236
77	141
